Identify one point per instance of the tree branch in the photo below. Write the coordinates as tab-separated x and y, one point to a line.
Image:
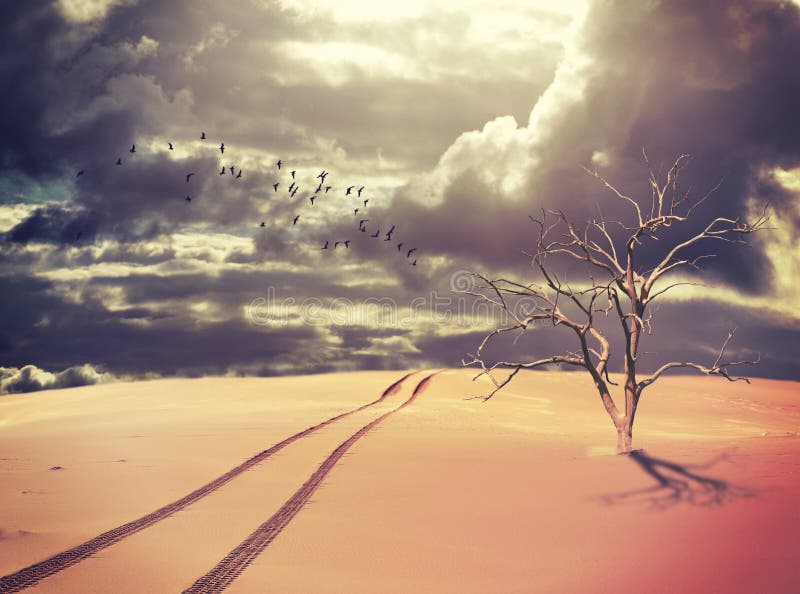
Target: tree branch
717	368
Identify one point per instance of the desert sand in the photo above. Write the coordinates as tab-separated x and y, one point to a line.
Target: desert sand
440	493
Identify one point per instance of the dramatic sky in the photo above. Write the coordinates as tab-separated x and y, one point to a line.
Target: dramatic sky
459	118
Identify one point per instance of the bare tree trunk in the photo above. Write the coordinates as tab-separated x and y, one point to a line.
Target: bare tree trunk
625	438
623	422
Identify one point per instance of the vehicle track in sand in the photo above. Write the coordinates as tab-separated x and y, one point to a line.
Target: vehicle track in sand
235	562
30	575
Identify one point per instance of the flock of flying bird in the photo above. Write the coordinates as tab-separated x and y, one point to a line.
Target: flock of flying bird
292	189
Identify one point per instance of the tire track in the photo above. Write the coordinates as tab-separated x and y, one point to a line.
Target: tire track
235	562
28	576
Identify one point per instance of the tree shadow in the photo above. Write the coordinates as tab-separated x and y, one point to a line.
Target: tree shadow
676	484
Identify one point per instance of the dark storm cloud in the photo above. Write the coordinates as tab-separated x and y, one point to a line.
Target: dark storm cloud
470	223
41	326
246	86
713	79
231	291
50	224
696	333
22	133
152	70
48	327
55	75
78	105
168	70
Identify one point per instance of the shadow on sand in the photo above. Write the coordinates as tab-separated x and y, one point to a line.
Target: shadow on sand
676	484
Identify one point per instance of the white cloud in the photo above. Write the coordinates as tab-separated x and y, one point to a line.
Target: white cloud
87	11
30	378
337	61
488	12
780	243
146	47
12	214
424	41
390	345
219	35
504	154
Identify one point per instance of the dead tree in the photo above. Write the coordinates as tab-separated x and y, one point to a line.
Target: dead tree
618	285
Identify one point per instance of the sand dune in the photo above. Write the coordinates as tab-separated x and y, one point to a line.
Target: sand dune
335	483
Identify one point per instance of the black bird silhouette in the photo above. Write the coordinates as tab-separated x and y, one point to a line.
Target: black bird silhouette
188	177
238	175
350	189
291	186
361	224
202	135
319	188
222	148
325	247
80	173
411	251
365	202
232	168
170	146
346	243
278	164
222	171
296	218
295	192
336	244
327	188
263	224
355	212
293	172
389	234
188	199
322	175
378	232
312	199
78	235
361	189
399	246
133	148
275	185
414	263
119	161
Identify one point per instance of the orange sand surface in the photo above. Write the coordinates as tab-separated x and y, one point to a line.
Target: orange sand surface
519	494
